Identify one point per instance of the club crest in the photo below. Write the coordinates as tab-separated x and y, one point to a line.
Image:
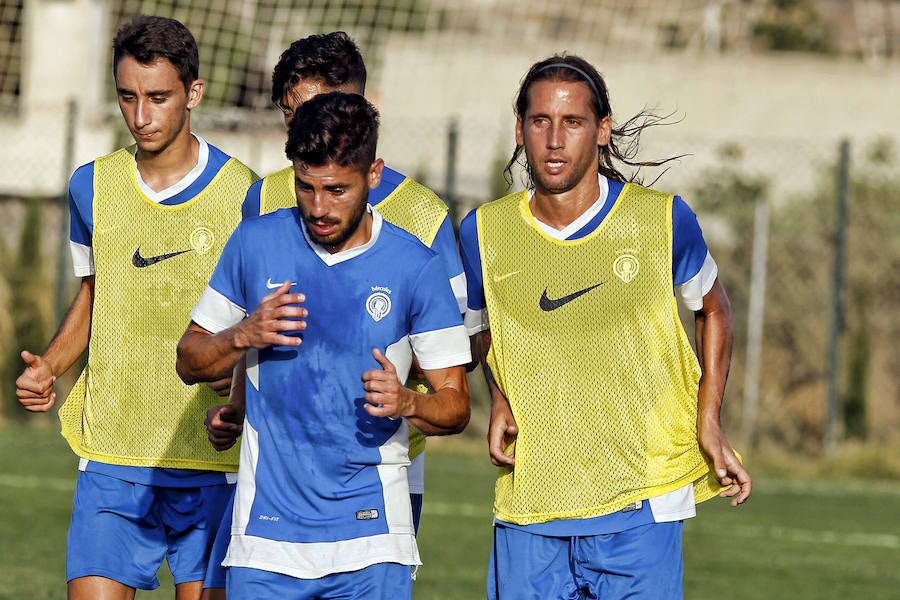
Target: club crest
202	239
378	304
626	267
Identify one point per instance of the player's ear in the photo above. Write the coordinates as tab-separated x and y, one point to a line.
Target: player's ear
374	174
604	131
520	134
195	93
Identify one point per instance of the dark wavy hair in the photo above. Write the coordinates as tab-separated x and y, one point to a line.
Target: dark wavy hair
148	38
624	142
334	127
333	58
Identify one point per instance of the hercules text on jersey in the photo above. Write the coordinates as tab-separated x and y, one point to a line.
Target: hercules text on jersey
322	486
151	261
626	427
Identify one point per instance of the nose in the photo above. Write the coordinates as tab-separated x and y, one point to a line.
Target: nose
142	114
554	136
316	206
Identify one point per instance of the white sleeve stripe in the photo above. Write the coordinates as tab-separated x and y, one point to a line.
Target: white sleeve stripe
458	284
692	291
475	321
442	348
214	312
82	259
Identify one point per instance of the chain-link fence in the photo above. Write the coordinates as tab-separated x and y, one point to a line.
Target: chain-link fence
756	130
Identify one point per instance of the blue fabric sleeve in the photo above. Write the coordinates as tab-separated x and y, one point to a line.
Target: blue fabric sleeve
688	246
434	304
252	201
445	245
471	260
227	276
81	205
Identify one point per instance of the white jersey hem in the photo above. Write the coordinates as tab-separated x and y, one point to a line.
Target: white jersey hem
318	559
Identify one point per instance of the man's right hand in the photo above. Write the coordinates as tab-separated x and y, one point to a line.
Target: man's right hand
224	425
277	314
34	387
502	431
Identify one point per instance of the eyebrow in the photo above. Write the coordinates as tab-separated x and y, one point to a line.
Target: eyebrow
330	186
566	116
121	90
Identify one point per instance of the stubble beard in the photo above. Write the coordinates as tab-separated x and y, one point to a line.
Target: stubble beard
342	234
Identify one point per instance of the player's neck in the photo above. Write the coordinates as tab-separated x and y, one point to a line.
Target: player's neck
559	210
163	169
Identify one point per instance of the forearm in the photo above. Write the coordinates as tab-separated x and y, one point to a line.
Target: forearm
714	344
71	339
446	410
202	356
481	345
238	396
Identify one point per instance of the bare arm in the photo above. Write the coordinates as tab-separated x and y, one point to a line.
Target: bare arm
442	412
203	356
225	423
34	387
714	339
502	430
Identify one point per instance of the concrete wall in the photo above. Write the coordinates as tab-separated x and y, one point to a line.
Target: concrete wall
786	112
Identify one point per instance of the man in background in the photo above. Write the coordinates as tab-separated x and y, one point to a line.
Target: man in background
324	63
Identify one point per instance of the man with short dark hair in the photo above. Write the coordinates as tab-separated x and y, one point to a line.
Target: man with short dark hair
147	225
328	304
316	64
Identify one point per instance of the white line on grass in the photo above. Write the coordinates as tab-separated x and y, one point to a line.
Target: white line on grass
446	509
867	540
806	536
826	488
56	484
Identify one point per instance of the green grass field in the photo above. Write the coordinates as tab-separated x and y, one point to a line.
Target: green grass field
793	539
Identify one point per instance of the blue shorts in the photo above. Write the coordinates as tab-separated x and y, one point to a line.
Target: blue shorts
123	531
215	572
382	581
641	562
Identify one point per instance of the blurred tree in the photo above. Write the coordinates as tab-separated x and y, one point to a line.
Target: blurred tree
30	302
793	25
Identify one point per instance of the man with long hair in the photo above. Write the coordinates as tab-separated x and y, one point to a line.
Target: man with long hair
604	423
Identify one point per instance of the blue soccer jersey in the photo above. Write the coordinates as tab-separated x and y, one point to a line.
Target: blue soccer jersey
322	486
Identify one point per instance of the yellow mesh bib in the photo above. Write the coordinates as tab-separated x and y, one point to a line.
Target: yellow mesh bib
411	206
152	262
277	191
588	348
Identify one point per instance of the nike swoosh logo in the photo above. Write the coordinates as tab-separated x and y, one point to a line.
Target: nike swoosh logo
498	278
547	304
140	261
272	286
